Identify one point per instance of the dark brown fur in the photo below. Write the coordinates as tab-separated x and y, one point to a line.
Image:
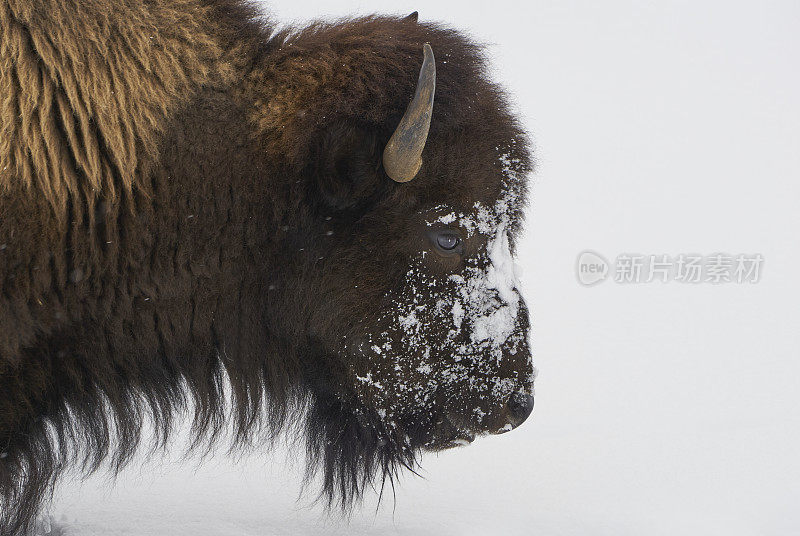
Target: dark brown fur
185	199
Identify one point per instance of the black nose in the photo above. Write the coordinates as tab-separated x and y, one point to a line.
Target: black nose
520	406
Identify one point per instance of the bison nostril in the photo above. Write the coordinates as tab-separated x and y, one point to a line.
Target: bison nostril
520	406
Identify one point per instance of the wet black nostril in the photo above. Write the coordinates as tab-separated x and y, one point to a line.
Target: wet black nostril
520	406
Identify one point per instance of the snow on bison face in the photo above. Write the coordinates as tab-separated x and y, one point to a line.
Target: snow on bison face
424	344
448	354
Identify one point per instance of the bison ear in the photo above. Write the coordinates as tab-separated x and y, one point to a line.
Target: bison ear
414	17
346	171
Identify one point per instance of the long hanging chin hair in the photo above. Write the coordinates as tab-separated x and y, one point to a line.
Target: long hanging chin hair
348	451
353	452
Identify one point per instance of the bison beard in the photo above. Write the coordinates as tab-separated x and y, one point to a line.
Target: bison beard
197	216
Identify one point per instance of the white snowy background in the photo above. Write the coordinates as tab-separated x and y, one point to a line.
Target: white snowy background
660	128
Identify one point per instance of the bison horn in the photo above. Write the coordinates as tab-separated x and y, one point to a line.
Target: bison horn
402	156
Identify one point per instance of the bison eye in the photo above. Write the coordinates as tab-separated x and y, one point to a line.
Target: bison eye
448	242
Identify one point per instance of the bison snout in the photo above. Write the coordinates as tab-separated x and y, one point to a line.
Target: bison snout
520	407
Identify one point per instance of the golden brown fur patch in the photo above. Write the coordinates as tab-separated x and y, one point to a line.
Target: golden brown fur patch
86	87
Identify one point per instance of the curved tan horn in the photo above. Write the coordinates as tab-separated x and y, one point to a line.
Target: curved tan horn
402	156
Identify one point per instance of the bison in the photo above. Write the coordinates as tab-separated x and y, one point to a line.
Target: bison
308	229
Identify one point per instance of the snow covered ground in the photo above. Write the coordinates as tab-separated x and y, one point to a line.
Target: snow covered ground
662	408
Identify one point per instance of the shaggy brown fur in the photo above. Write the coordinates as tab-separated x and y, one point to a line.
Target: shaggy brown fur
187	198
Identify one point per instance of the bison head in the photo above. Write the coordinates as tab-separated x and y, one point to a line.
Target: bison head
399	279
